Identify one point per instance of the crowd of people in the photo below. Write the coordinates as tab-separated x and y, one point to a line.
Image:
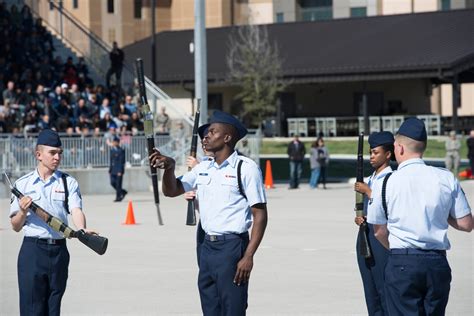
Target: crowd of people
40	90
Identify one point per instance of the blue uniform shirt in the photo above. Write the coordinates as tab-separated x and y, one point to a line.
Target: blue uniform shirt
374	182
419	200
50	196
223	210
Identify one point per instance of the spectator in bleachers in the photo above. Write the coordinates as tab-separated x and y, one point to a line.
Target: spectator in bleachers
82	124
9	93
129	105
105	108
65	91
34	110
62	114
56	96
25	96
94	105
40	95
81	109
29	123
107	122
121	112
74	94
100	93
135	122
70	72
44	123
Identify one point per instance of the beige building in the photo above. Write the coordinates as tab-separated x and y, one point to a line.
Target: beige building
128	21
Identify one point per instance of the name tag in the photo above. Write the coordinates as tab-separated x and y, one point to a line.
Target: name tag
203	174
230	176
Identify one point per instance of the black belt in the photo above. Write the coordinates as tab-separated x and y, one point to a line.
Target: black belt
48	241
225	236
415	251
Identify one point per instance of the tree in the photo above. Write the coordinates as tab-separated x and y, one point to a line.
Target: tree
255	66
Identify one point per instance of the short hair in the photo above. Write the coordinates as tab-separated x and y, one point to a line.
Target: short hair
233	132
389	148
412	145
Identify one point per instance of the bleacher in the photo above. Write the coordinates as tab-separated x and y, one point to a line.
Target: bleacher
41	89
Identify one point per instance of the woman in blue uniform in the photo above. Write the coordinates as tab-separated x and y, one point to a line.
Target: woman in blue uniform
372	269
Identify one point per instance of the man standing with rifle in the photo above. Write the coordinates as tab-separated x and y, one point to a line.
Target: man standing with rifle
411	215
231	197
44	259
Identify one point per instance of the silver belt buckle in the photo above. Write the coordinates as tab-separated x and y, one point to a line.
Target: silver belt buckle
213	238
51	241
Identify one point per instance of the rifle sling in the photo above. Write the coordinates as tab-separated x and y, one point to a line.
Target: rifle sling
384	194
239	178
66	192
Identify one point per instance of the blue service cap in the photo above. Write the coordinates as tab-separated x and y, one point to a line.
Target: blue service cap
380	138
203	132
222	117
413	128
116	139
49	137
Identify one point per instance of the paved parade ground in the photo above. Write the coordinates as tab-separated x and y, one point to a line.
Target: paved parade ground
306	264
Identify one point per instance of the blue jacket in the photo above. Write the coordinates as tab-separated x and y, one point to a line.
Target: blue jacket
117	160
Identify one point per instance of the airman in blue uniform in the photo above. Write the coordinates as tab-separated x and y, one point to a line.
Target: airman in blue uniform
227	211
117	169
372	269
420	202
44	258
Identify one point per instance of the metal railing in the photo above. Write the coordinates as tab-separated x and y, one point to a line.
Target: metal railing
17	153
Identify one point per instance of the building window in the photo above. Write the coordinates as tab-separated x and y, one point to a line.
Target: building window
358	12
280	17
137	9
445	5
51	5
75	4
110	6
314	10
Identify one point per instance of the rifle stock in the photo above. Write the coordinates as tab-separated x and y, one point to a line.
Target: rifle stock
191	211
364	246
149	133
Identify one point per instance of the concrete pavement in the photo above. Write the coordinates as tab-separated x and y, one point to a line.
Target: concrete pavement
306	264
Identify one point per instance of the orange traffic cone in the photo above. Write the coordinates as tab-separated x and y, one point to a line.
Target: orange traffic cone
467	173
268	176
130	219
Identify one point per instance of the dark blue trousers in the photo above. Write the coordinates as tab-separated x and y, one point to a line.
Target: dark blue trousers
372	273
116	182
217	267
200	235
42	277
417	283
